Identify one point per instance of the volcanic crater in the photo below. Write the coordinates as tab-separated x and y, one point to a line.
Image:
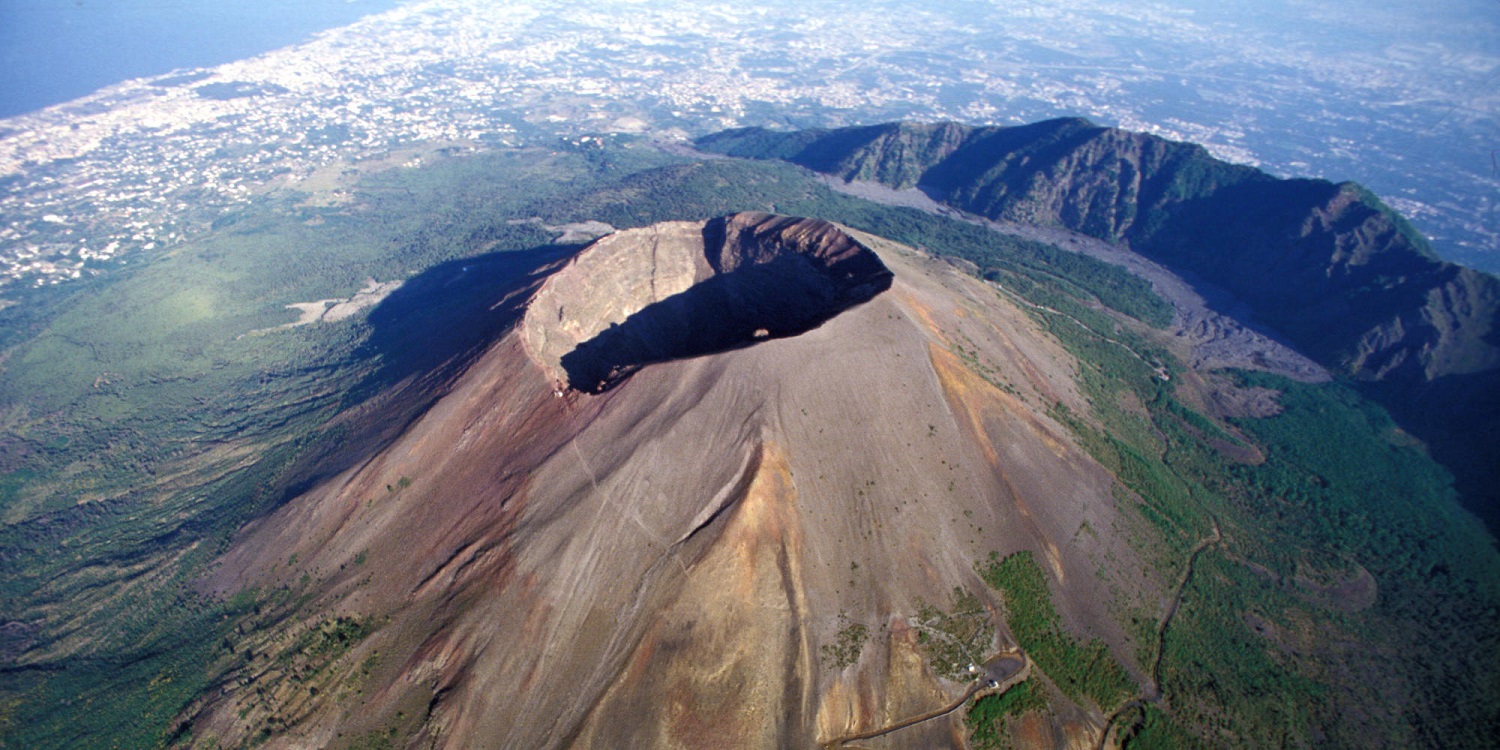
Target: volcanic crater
686	289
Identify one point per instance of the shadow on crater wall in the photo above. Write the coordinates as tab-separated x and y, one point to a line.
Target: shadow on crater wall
784	296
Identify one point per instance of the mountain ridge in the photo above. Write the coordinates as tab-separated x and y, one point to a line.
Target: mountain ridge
1341	275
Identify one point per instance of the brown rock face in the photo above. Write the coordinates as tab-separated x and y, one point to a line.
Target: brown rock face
681	290
670	562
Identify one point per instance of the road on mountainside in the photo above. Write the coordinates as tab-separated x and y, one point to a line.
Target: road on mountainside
1153	692
999	674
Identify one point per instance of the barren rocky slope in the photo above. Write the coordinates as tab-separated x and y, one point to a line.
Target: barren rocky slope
653	547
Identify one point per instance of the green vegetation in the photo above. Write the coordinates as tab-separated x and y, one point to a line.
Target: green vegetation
375	740
142	422
955	639
988	718
328	640
844	651
116	694
1341	491
1332	453
1154	730
1079	670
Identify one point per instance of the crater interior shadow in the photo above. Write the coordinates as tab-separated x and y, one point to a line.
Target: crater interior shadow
785	296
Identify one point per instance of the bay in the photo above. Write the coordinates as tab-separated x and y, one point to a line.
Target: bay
53	51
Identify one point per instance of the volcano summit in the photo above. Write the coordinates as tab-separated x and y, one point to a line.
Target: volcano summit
760	529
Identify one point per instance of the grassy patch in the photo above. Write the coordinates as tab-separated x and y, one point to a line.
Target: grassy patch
844	651
988	718
1080	670
328	640
1157	731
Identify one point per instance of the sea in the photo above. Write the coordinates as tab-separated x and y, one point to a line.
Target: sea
53	51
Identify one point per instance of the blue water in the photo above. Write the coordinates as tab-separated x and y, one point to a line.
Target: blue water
52	51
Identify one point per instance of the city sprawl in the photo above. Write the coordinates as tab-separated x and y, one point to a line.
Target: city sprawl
146	163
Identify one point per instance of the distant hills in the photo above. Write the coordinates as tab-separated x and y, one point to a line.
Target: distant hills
1341	275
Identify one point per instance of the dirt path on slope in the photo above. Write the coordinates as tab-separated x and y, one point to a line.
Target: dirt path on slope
1000	682
1161	371
1152	693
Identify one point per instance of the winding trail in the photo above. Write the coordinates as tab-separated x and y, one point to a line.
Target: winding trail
1161	371
904	723
1009	681
1153	692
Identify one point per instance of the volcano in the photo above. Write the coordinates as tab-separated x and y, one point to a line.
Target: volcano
725	485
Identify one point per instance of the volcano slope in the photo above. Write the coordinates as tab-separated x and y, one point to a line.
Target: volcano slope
726	485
